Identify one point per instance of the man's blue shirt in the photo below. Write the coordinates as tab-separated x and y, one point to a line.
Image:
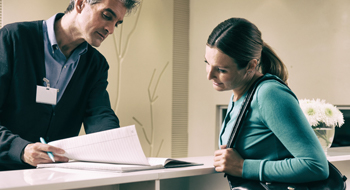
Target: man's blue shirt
59	69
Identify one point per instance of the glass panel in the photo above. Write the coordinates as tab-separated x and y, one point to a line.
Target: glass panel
342	134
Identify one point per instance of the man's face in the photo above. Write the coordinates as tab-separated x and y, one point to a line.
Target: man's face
97	21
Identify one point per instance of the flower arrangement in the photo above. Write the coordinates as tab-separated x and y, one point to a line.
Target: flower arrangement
323	118
319	113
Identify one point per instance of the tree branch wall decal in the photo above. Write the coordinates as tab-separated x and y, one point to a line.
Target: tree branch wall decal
121	43
120	51
152	96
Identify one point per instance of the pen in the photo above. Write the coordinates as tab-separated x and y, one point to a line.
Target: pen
42	140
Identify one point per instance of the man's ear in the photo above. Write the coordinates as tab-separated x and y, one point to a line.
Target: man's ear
79	5
252	65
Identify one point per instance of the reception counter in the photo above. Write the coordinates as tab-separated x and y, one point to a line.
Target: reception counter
187	178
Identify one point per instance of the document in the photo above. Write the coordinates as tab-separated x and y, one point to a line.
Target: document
117	150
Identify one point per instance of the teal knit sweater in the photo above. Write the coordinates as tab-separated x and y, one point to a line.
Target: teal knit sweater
276	140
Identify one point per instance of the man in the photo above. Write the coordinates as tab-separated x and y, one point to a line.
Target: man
52	80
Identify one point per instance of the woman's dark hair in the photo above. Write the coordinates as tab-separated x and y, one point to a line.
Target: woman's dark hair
241	40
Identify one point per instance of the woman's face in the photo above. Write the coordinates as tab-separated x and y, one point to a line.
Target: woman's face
223	71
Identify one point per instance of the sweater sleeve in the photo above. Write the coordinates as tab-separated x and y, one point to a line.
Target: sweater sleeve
11	145
99	115
280	111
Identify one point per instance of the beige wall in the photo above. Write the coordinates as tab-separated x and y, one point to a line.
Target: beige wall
22	10
312	37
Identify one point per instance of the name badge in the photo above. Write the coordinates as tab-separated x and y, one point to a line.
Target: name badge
46	95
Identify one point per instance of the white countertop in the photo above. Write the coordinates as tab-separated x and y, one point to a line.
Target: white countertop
59	178
338	154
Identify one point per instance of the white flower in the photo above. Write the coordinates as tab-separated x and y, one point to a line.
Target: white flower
319	112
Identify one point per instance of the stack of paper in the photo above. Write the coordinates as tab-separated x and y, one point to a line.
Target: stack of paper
112	150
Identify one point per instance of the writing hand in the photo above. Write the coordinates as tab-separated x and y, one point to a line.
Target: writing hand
228	161
36	153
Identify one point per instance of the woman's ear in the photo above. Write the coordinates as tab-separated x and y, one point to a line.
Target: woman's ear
252	65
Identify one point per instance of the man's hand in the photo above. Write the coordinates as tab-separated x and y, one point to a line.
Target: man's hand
36	153
228	161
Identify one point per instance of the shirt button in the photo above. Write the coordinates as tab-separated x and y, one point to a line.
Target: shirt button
65	66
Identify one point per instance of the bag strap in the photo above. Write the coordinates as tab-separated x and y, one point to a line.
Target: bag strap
246	103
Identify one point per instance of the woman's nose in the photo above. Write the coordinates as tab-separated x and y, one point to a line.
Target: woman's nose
210	73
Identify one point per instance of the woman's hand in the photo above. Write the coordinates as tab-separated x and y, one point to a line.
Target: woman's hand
228	161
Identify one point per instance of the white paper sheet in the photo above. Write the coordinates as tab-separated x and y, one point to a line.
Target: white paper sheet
119	145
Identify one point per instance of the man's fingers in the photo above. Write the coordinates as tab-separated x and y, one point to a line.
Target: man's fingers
46	159
57	152
32	155
36	153
60	158
49	148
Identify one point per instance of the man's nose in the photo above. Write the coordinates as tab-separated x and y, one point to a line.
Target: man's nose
109	29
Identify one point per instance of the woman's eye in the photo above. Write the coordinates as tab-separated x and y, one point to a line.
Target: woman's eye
222	71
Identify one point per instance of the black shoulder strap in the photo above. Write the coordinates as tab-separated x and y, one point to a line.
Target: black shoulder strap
245	105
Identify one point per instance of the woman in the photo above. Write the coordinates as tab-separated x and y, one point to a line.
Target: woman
276	142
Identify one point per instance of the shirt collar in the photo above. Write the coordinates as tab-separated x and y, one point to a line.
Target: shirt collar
50	23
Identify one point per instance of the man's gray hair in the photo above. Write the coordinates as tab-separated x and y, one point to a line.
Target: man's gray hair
128	4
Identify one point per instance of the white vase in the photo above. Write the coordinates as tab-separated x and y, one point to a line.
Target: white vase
325	135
